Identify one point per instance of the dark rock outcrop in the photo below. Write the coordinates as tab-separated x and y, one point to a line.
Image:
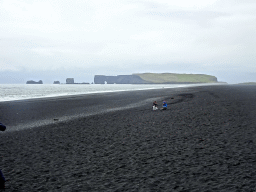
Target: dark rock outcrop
119	79
70	81
56	82
2	127
34	82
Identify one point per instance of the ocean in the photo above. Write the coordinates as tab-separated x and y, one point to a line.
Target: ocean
11	92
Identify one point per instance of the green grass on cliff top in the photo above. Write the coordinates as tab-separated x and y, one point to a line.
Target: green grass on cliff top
173	77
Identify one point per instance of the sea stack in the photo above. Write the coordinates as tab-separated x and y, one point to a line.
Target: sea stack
34	82
70	81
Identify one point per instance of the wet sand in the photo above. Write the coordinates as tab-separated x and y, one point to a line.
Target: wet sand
204	141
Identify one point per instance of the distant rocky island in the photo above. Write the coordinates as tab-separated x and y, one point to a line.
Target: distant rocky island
56	82
72	81
34	82
155	78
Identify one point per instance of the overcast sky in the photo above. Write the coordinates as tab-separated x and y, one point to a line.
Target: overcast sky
56	39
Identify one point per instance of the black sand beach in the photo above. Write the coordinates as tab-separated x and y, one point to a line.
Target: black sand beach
204	141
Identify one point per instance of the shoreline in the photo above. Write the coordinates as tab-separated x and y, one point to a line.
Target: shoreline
35	112
108	91
29	113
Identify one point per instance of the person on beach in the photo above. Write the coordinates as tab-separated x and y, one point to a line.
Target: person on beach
2	127
2	180
155	106
164	105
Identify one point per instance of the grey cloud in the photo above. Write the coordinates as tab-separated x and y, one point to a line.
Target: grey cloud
147	36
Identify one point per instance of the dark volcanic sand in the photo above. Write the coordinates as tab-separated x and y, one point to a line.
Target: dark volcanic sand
205	141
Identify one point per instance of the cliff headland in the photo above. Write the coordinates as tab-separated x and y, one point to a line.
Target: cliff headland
155	78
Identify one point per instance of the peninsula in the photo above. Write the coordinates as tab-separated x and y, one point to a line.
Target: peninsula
155	78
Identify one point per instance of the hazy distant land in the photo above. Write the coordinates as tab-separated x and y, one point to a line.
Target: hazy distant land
145	78
247	83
